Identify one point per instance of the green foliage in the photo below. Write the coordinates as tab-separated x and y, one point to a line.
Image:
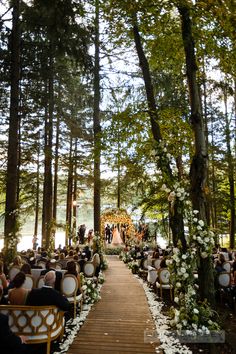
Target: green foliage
113	250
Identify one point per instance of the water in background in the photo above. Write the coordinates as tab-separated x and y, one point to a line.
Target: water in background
26	241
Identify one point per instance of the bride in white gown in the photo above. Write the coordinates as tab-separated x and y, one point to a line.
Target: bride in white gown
116	239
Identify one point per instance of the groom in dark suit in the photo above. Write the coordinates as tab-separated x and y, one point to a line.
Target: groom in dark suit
47	295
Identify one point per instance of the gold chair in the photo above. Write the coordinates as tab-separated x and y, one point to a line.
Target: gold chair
69	287
164	282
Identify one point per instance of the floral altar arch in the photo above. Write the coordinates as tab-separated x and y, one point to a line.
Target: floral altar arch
117	216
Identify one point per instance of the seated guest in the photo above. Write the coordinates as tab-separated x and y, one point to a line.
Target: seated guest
3	276
47	295
18	295
10	342
219	264
62	260
82	261
87	252
156	253
71	269
70	255
17	261
234	269
3	300
51	266
26	268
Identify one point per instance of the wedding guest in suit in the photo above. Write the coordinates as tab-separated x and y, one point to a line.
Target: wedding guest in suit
18	295
47	295
108	233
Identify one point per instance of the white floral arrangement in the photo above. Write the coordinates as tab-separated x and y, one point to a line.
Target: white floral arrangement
190	314
126	257
101	278
90	289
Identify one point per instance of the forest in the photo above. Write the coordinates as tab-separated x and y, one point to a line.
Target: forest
129	103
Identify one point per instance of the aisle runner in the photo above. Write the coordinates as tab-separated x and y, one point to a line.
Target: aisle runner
117	323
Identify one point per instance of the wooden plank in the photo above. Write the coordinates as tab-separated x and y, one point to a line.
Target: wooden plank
117	323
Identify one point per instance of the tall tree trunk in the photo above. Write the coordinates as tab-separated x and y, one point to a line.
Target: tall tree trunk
205	129
11	217
199	165
47	194
55	184
213	179
74	203
118	175
230	163
176	216
97	126
36	219
69	196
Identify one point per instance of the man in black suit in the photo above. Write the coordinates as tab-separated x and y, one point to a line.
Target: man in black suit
47	295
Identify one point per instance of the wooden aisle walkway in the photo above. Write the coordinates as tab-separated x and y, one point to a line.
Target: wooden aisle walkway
116	324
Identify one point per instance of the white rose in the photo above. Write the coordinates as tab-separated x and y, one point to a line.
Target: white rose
195	212
195	311
204	254
176	299
201	222
194	219
184	256
178	285
183	270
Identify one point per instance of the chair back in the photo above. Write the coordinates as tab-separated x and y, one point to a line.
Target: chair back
69	285
227	266
13	271
164	276
152	275
89	269
58	266
77	267
156	263
29	282
224	279
40	282
145	264
42	264
96	260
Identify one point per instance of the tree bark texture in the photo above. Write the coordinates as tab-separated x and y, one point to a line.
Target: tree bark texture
97	126
199	165
36	219
69	197
230	164
10	227
176	217
48	188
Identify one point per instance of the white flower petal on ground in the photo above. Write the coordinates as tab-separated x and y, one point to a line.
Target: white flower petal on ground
168	343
